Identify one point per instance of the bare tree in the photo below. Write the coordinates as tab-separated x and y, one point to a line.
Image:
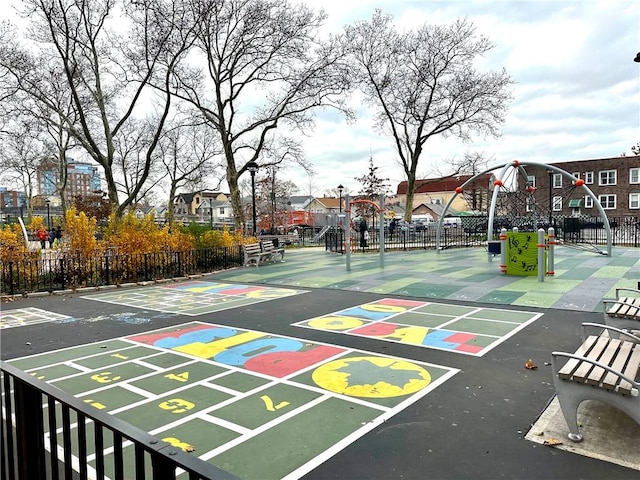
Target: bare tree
23	148
263	68
189	154
422	84
107	51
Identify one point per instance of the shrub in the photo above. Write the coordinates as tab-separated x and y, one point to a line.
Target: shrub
12	244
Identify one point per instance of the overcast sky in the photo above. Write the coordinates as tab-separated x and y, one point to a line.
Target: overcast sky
576	96
577	91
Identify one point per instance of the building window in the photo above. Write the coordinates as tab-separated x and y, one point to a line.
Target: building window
531	180
557	180
588	177
607	177
608	202
634	175
557	204
634	200
588	201
529	204
222	211
576	176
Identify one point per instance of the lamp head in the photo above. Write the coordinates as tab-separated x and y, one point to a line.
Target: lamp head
252	167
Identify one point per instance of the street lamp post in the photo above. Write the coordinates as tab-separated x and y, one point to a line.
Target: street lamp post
210	215
47	203
340	188
253	168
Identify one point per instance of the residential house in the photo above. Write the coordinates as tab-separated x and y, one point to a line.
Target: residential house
434	193
204	207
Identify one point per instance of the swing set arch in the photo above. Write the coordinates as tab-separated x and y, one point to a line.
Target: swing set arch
519	165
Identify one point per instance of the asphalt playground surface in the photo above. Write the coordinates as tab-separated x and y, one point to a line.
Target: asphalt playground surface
303	369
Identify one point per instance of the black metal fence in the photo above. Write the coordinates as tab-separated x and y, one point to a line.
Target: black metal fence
39	443
473	231
68	271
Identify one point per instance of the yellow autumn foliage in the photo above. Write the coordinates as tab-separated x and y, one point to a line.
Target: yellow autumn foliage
12	246
80	233
129	234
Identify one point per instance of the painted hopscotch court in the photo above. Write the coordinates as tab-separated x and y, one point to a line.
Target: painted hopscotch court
457	328
193	298
260	406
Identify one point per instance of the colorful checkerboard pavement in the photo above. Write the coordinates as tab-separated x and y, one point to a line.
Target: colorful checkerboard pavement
462	329
260	406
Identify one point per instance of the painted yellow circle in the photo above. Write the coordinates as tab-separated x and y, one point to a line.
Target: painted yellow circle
335	322
371	377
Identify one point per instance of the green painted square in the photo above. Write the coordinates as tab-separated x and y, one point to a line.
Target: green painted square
112	398
576	273
167	360
512	316
172	407
107	359
289	445
484	327
101	378
178	377
421	289
422	319
52	373
265	406
444	309
611	272
240	382
537	299
67	354
198	433
482	341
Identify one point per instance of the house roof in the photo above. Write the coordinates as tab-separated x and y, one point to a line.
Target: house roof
444	184
329	202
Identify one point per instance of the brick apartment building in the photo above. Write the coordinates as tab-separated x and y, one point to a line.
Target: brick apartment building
614	181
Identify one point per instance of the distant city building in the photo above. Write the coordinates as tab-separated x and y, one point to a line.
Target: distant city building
82	178
12	198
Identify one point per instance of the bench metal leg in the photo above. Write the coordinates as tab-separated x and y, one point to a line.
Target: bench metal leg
572	394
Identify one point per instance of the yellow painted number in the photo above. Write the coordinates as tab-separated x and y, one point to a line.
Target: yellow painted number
180	377
268	403
177	405
105	377
178	444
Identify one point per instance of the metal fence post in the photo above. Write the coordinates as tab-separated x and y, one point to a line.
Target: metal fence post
29	431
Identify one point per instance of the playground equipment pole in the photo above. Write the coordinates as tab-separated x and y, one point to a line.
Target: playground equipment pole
381	230
347	230
541	248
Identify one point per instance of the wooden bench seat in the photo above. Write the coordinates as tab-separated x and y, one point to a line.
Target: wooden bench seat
253	254
269	247
606	367
623	311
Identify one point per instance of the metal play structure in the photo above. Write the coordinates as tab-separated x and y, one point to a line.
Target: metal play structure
506	181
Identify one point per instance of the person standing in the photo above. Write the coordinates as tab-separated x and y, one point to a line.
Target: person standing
43	236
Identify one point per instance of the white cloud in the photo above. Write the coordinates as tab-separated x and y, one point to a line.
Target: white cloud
577	94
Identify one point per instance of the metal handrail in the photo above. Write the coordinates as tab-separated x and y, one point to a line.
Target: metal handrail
26	456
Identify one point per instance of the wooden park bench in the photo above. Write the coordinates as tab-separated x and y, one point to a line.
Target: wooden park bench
623	311
253	254
606	368
269	247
